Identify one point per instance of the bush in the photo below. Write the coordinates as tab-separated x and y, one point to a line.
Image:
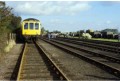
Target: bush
9	22
86	36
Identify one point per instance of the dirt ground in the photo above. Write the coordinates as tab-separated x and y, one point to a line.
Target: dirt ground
74	67
8	62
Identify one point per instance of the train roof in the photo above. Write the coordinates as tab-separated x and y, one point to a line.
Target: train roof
28	19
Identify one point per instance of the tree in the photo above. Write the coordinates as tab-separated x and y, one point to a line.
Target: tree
56	31
2	4
115	31
89	31
5	16
8	21
15	22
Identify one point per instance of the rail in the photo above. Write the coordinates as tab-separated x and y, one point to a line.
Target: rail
55	68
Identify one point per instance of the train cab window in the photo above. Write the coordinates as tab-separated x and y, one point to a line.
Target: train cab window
36	26
26	26
31	26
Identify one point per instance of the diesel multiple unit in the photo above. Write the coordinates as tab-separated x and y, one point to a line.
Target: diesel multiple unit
31	28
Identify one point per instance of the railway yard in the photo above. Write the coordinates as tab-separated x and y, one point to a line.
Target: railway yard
62	59
59	41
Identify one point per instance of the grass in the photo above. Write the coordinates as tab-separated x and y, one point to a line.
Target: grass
103	39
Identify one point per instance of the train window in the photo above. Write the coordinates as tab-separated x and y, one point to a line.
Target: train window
26	26
31	25
36	26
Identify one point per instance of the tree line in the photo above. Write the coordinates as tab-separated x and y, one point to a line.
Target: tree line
8	20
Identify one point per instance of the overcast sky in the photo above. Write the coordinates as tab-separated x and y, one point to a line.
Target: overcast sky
70	16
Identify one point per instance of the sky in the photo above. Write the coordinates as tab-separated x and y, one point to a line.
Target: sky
70	16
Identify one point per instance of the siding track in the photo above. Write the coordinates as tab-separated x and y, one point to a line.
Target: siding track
104	63
104	46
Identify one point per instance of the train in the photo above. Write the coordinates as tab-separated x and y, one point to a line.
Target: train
31	29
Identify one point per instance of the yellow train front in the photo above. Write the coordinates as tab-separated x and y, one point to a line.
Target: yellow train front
31	29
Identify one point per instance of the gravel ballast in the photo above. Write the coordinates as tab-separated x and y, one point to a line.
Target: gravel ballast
74	67
8	62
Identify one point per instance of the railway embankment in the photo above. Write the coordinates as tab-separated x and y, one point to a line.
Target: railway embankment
7	42
3	39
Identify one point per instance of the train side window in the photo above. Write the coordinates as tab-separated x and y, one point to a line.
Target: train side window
26	26
31	26
36	26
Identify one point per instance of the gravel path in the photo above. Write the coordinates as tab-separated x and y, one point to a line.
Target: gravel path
77	68
8	62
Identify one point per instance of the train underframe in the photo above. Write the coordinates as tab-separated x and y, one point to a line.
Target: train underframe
30	38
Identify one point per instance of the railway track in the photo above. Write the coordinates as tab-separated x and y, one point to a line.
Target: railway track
102	47
110	56
35	64
104	63
116	44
